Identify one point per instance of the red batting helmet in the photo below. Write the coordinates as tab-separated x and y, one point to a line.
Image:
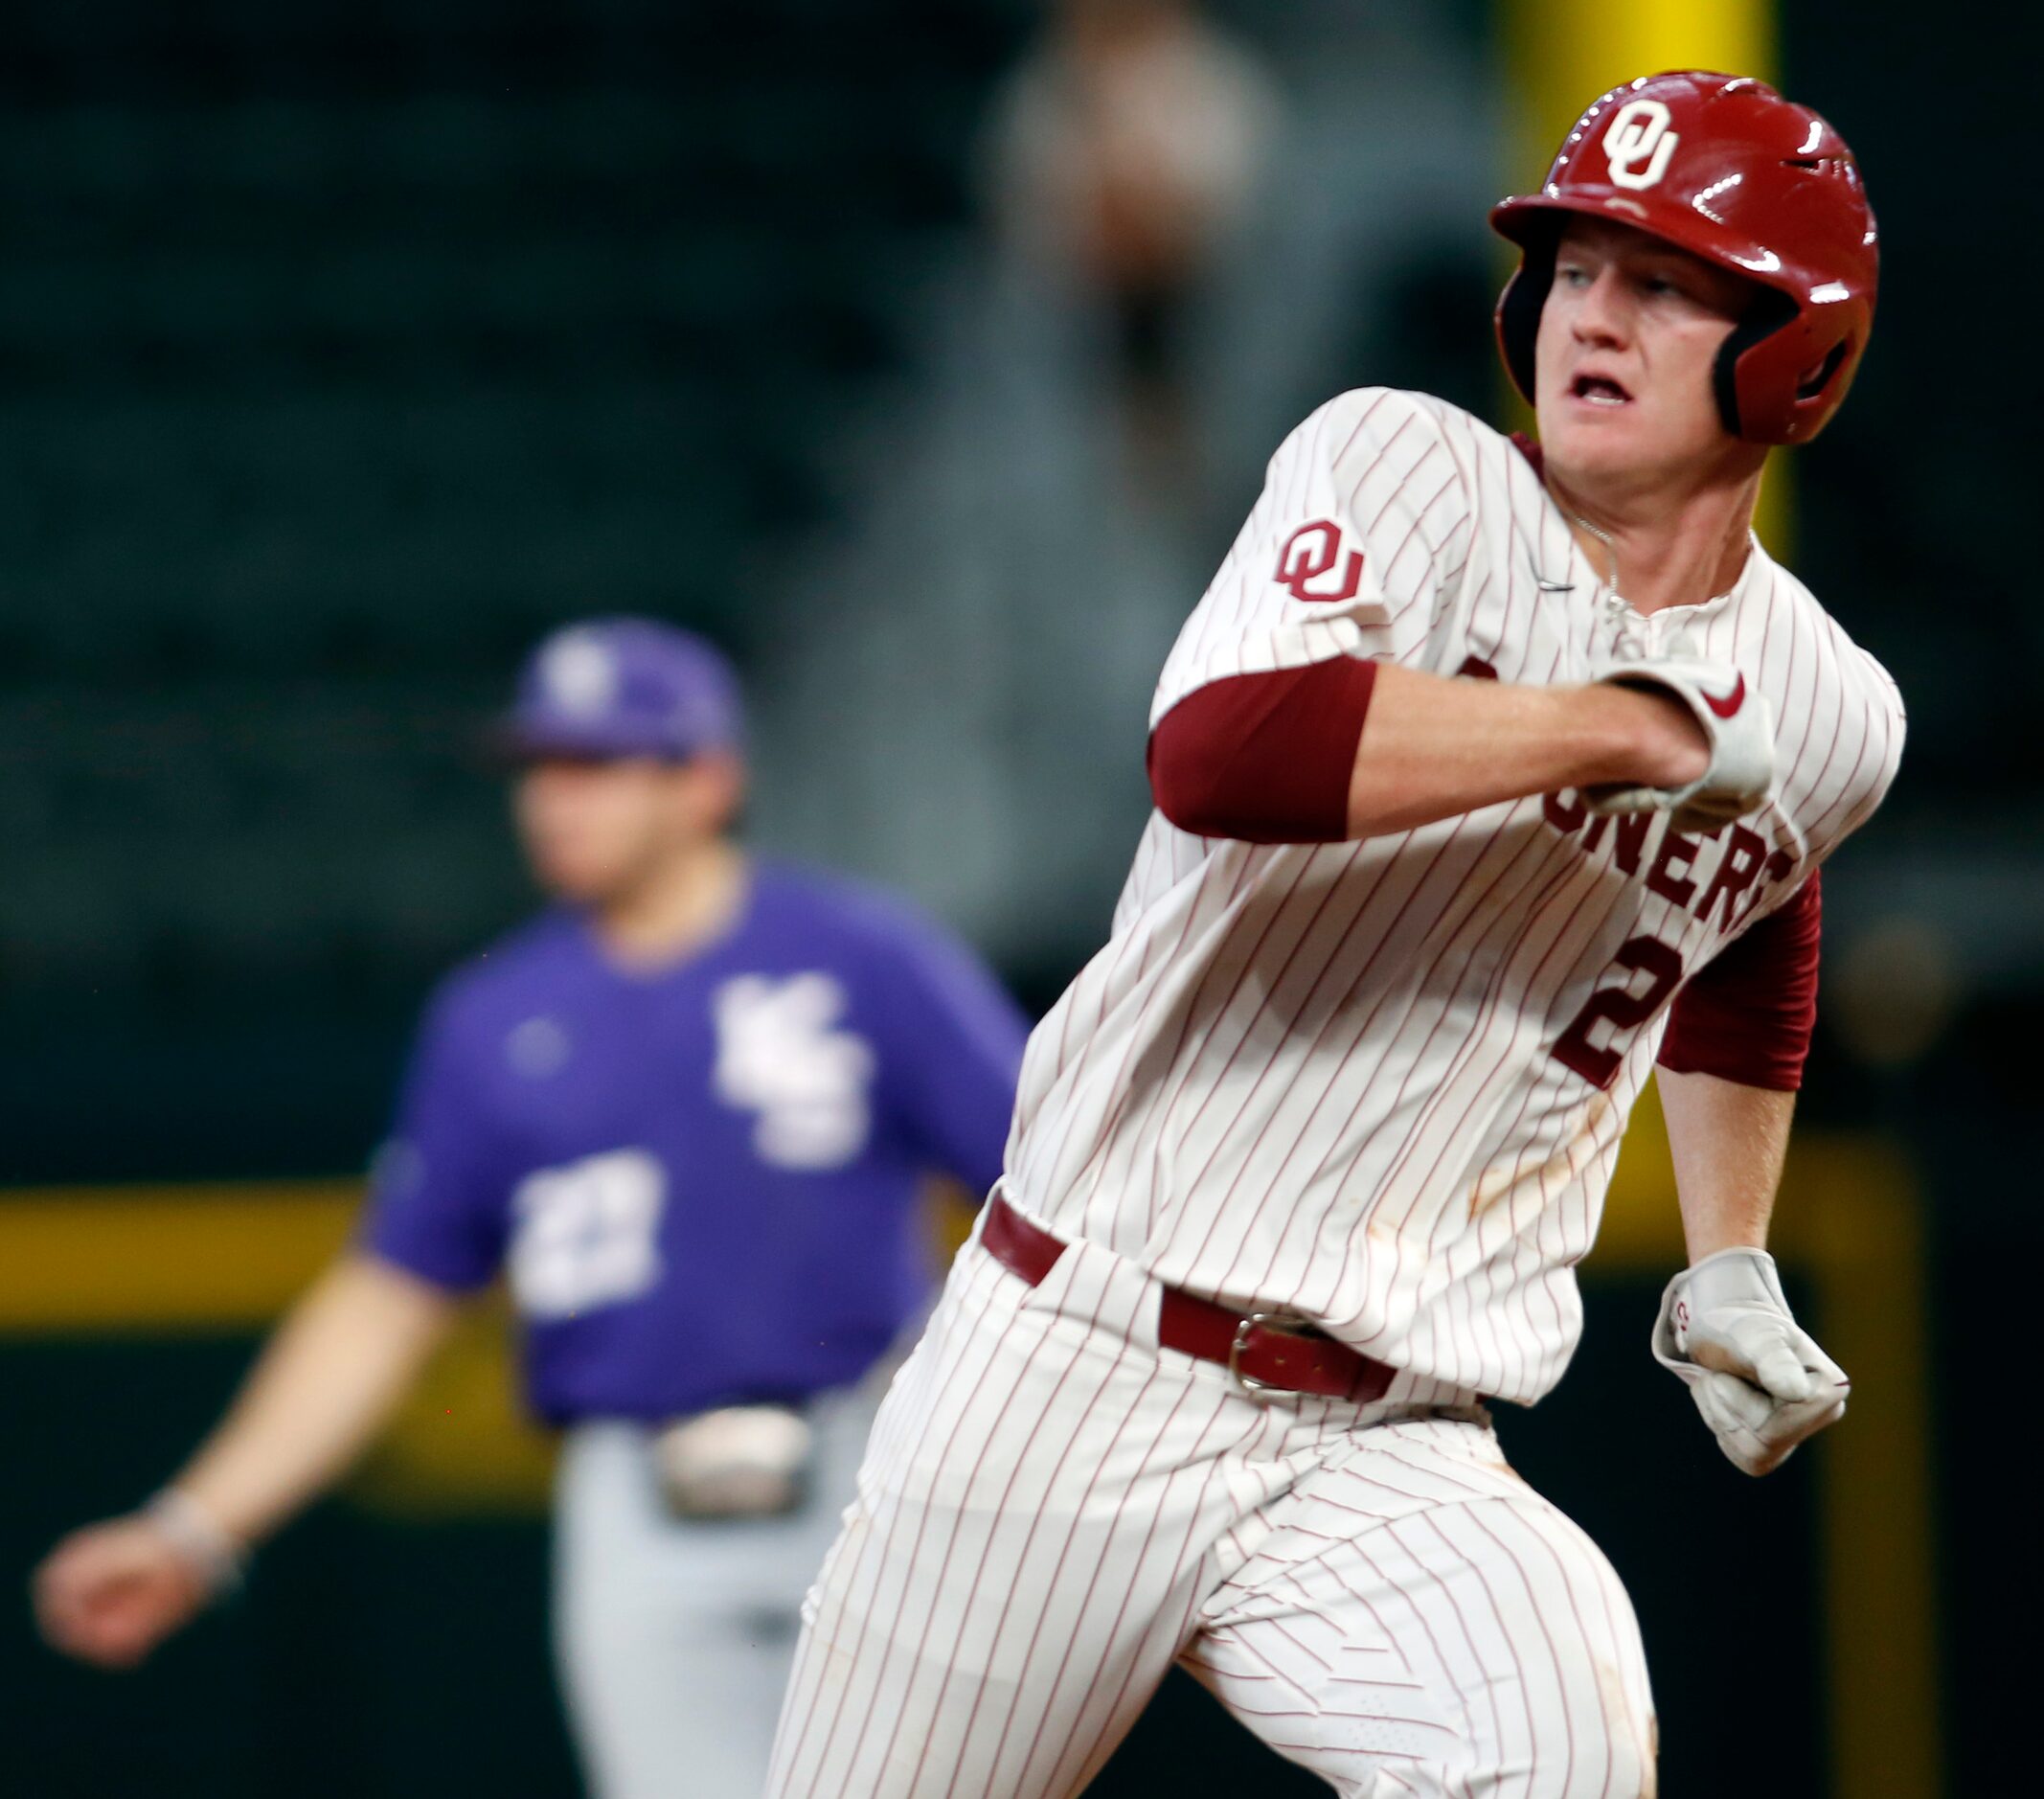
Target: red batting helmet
1725	168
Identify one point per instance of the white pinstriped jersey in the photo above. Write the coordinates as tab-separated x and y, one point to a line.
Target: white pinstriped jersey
1382	1085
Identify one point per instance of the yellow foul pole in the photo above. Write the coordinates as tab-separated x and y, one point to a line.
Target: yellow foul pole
1562	53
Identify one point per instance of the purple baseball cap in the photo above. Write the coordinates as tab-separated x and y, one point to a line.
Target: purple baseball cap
612	688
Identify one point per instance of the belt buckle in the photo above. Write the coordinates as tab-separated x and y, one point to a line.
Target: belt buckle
1270	1321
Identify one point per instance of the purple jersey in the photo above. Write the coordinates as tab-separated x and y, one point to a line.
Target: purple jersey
700	1180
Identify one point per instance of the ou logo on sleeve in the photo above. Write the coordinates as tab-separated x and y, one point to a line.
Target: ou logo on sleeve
1313	552
1638	143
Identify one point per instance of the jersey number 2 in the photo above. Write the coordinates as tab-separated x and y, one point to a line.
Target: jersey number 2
1624	1008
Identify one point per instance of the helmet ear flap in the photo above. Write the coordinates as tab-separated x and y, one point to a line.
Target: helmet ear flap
1518	315
1771	312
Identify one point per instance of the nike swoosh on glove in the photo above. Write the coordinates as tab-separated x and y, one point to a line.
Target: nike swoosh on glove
1758	1379
1738	725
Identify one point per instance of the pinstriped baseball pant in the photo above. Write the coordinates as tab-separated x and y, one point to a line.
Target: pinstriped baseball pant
1052	1509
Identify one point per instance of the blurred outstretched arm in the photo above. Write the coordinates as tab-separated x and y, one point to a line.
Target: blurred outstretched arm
333	1372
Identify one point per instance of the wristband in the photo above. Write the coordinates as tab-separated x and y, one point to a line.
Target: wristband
200	1539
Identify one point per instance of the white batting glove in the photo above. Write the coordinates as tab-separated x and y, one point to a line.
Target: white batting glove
1757	1376
1738	725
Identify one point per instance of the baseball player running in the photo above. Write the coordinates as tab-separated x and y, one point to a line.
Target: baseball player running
687	1111
1485	775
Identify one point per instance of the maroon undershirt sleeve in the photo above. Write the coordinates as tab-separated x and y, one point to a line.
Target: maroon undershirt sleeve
1748	1016
1267	758
1264	758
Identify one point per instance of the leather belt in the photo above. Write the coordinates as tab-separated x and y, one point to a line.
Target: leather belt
1261	1350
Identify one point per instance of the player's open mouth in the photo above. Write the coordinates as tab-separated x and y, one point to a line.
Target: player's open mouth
1599	389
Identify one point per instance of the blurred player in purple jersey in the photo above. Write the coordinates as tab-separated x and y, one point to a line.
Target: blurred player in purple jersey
687	1111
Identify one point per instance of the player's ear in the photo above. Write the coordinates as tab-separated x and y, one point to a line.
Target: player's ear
716	787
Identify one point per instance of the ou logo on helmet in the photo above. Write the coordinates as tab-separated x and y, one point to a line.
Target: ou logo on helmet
1638	143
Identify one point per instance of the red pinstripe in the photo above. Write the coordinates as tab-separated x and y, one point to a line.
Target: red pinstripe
1476	1657
1474	912
1568	1723
1121	1613
1249	1027
945	1563
974	1583
1489	1688
796	1684
1163	1425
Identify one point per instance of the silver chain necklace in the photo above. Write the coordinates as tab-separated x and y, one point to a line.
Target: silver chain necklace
1628	647
1603	537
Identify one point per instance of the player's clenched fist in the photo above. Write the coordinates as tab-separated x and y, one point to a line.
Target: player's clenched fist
1757	1376
109	1593
1738	727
